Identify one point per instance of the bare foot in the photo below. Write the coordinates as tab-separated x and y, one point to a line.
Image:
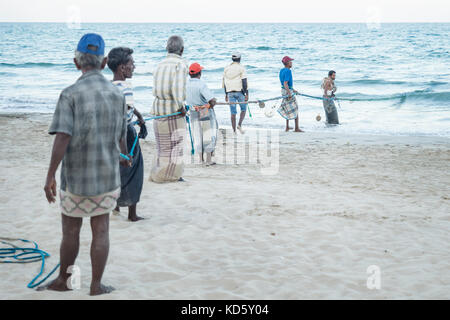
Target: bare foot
136	218
56	285
287	129
101	289
298	130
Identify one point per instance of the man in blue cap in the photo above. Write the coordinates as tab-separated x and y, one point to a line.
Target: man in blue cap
90	127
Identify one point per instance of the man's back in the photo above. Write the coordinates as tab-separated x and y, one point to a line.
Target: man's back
197	92
93	112
169	85
232	77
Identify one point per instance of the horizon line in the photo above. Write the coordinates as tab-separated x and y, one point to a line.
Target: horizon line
229	22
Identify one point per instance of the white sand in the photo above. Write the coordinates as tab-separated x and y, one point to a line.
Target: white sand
337	206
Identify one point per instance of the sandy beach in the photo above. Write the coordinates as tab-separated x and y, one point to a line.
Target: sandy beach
335	206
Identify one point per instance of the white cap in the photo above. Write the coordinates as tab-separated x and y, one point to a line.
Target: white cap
236	55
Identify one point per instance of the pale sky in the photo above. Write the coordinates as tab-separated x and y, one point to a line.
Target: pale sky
378	11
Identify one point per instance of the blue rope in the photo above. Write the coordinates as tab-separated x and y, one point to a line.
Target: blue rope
26	255
134	144
297	94
190	133
313	97
137	137
159	117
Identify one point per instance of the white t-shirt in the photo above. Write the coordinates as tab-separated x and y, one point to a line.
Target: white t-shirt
232	77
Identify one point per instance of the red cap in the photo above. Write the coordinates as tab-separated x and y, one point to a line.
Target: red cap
286	59
195	68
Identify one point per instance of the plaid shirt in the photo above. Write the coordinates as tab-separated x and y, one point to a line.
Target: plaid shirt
169	85
93	112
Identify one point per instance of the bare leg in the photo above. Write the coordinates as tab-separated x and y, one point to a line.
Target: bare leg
209	161
297	129
68	252
241	117
132	216
287	126
233	122
99	253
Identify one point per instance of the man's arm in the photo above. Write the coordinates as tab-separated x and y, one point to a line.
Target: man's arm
286	86
225	89
59	149
212	102
245	88
124	150
141	120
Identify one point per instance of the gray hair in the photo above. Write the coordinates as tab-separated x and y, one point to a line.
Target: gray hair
87	60
175	44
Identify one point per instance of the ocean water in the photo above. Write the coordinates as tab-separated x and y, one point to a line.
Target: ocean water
398	73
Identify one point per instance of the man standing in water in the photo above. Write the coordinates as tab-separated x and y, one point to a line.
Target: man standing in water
329	88
90	123
288	108
236	89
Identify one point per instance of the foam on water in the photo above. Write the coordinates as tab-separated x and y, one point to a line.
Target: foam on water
396	76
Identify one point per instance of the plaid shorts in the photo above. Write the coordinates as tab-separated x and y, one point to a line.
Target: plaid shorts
288	108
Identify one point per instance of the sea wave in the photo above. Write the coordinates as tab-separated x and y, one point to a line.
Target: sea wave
35	64
263	48
383	82
143	73
142	88
417	95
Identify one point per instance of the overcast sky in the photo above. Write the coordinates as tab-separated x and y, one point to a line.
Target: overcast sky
226	10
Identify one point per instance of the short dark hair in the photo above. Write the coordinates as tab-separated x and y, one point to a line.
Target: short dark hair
236	59
118	56
331	72
195	74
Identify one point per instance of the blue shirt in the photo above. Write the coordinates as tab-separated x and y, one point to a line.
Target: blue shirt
197	93
286	75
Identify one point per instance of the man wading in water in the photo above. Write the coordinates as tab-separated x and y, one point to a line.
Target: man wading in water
329	88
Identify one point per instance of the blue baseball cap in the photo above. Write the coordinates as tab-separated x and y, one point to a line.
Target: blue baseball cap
92	39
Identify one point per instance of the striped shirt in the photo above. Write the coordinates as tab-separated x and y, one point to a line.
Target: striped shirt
169	85
127	90
93	112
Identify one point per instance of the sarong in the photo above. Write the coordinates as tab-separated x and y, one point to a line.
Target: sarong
330	111
132	178
288	108
204	130
86	207
168	165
